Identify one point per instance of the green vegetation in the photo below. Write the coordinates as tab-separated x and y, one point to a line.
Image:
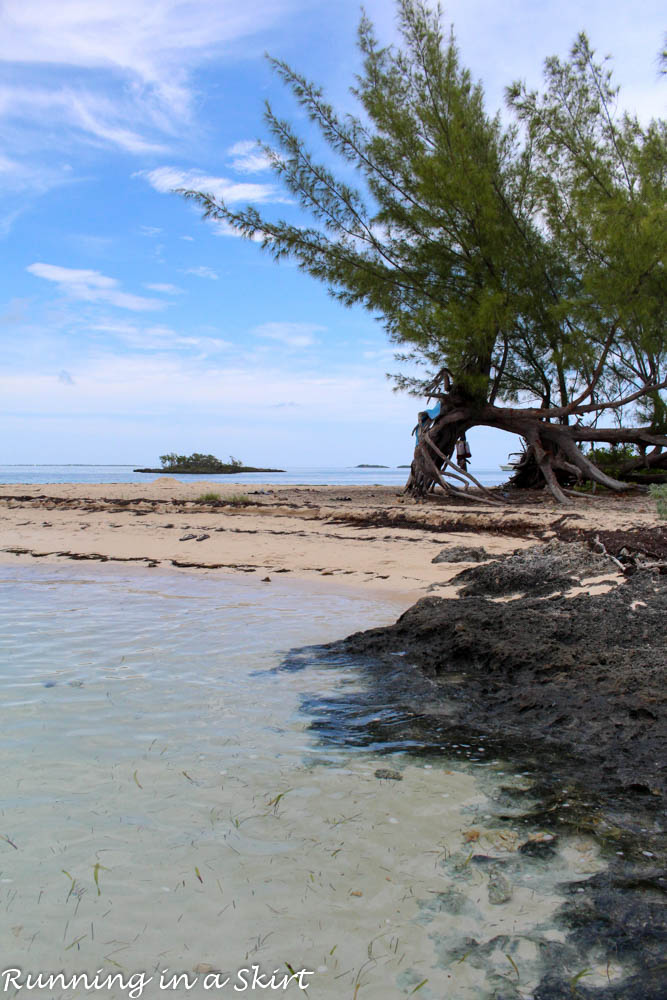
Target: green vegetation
612	460
659	494
198	463
209	498
522	265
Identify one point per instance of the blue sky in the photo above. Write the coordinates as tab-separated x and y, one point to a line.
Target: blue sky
128	326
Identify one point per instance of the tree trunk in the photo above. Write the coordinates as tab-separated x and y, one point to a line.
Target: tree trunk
553	457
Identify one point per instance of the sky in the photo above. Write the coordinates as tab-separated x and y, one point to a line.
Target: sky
128	326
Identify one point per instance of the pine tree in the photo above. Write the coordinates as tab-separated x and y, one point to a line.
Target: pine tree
522	265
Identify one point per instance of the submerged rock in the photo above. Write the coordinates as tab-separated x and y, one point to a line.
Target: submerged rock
499	888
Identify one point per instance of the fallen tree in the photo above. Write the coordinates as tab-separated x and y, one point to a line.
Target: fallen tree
523	263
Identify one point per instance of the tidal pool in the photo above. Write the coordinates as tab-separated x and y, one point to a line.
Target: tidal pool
168	808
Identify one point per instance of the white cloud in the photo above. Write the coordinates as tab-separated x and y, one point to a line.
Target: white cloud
143	382
203	272
94	115
289	334
166	288
163	338
168	179
20	176
156	44
248	157
114	72
91	286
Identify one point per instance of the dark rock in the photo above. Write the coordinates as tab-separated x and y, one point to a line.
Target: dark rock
540	570
461	553
388	774
539	847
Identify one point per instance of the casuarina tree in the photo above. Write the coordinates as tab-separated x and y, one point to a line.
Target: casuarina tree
517	261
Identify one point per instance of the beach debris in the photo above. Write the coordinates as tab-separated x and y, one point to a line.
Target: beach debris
499	888
201	538
386	774
186	538
266	579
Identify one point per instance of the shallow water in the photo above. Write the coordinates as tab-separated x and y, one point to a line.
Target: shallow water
167	805
312	476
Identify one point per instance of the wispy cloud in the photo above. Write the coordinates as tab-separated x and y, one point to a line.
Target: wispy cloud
248	157
203	272
18	176
289	334
91	286
112	74
93	116
155	44
165	288
163	338
167	179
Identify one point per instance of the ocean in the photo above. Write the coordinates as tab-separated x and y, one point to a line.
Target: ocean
318	477
183	796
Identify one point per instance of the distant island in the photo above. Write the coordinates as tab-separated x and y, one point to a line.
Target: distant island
371	466
198	464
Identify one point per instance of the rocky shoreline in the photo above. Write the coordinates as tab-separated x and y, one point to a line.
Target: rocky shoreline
586	672
571	685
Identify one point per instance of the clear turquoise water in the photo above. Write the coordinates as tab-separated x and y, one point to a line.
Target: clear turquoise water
167	805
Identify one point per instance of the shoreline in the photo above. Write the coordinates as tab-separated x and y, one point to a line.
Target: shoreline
551	642
372	537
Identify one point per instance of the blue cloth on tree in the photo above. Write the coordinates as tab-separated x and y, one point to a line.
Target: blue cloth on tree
427	415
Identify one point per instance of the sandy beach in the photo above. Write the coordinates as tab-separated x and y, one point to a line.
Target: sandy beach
352	536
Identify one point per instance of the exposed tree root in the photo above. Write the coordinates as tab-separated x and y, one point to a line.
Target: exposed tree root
553	458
